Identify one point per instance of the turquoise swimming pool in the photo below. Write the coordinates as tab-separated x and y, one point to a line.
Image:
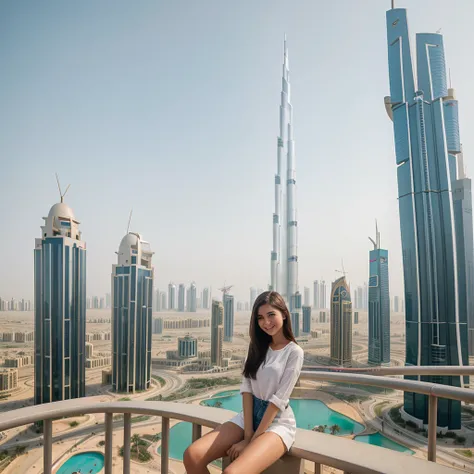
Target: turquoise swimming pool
87	463
308	413
378	439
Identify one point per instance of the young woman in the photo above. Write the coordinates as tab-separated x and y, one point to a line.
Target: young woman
255	438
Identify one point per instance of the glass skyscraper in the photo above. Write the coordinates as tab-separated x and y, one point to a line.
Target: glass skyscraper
60	308
379	305
132	296
228	317
341	323
425	122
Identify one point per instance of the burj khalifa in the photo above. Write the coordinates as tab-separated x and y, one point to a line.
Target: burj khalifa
284	256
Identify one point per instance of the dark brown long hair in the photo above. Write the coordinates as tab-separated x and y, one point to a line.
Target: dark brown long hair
259	339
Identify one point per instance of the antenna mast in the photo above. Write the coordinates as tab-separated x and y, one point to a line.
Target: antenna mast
129	220
61	194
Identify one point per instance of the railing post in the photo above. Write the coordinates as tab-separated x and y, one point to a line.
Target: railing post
127	432
108	442
318	469
197	431
165	437
47	446
432	425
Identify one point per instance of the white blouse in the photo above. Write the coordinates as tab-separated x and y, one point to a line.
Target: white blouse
275	380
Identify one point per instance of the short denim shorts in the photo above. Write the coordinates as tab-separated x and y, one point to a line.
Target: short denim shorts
259	407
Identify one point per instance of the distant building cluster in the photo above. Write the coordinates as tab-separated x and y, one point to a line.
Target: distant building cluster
98	336
100	320
15	305
18	336
181	299
99	302
19	361
188	323
100	359
8	380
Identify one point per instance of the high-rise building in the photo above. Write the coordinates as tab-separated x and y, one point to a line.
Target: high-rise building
158	326
322	294
306	296
425	123
359	302
341	323
172	303
322	316
205	298
295	323
181	297
217	332
379	304
284	257
462	201
187	347
228	317
192	298
253	296
307	319
132	296
316	294
396	304
356	317
163	301
60	308
365	297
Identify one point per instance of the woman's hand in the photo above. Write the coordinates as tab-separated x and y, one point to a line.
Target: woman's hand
236	449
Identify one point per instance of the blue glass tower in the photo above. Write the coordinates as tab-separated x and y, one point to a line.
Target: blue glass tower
228	317
426	143
60	308
132	296
379	305
307	319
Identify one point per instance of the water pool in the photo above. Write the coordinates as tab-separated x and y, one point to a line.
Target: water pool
378	439
90	462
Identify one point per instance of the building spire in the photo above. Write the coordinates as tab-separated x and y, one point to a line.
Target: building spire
393	4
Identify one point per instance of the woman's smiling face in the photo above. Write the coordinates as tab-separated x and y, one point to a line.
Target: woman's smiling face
270	319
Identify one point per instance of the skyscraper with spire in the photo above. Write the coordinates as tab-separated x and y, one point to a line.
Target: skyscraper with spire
284	257
379	304
427	144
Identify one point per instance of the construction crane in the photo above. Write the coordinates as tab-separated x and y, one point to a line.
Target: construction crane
225	289
343	270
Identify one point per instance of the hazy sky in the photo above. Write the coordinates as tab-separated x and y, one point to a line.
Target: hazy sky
171	108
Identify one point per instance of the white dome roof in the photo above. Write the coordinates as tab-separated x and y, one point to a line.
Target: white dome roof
129	240
61	210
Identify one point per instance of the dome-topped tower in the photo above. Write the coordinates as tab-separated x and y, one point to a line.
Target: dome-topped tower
133	245
61	222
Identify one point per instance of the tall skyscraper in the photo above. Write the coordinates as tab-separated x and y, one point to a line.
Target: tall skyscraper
181	297
284	257
316	295
192	298
228	317
172	303
163	301
217	332
425	123
60	308
253	296
379	304
322	294
132	296
307	319
341	323
396	304
359	304
205	298
306	296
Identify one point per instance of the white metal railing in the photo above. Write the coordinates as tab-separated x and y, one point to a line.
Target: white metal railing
316	447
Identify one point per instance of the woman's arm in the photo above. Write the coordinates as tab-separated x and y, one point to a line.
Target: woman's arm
247	400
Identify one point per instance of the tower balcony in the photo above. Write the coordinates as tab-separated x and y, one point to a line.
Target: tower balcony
311	452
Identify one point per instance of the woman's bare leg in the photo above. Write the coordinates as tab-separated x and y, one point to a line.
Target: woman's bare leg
258	455
211	446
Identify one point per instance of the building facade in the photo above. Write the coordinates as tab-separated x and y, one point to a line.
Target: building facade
217	332
60	308
228	317
284	256
379	305
192	298
425	124
132	300
187	347
181	297
341	323
172	303
307	319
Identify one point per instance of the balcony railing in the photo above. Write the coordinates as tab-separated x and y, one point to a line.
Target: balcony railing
318	448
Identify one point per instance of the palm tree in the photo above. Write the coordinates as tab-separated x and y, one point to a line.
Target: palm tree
135	439
335	429
319	429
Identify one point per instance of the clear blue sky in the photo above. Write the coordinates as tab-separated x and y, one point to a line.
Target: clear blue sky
172	108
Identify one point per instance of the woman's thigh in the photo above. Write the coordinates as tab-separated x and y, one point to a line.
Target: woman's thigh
259	454
214	445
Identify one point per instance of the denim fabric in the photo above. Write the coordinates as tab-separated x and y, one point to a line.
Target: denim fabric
259	407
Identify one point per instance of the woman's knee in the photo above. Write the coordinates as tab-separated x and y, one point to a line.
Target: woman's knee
192	456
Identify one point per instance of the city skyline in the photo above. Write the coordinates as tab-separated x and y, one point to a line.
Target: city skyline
115	135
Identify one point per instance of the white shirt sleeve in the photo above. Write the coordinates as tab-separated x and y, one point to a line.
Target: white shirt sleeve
245	386
288	380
